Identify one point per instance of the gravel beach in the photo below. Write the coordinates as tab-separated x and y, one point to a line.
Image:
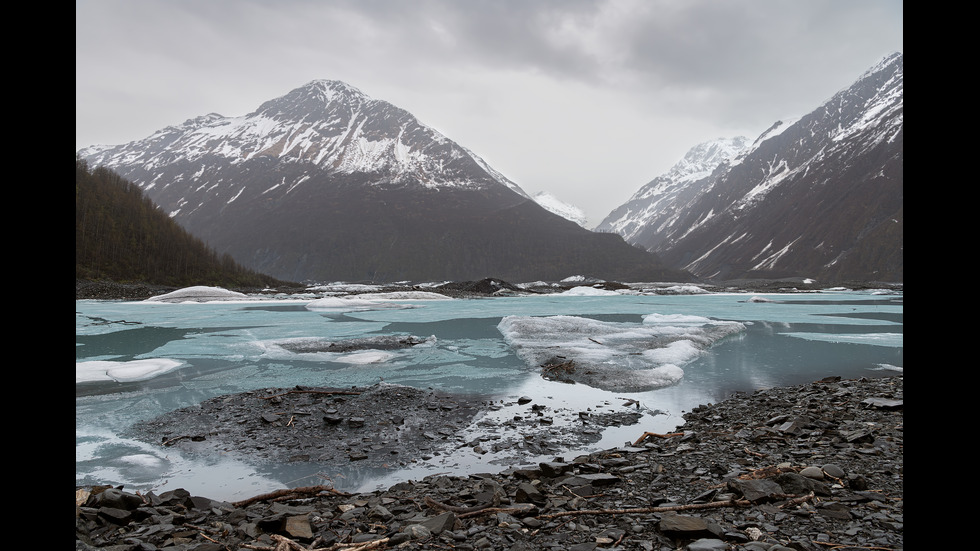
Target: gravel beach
816	466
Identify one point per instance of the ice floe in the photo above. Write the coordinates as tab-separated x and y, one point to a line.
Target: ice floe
198	293
615	356
135	370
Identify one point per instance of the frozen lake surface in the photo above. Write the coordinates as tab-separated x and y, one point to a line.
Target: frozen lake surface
138	360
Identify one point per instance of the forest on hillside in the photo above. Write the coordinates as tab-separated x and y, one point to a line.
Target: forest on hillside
122	236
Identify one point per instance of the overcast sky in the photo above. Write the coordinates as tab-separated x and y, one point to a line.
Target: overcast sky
585	99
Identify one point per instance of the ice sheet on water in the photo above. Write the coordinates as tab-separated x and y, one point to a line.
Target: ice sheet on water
616	356
876	339
585	291
135	370
198	293
355	351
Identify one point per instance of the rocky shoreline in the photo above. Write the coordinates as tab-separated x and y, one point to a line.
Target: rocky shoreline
817	466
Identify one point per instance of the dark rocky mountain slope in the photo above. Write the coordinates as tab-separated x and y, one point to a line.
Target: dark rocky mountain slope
325	183
821	197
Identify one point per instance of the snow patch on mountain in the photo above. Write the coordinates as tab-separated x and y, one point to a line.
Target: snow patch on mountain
555	205
655	202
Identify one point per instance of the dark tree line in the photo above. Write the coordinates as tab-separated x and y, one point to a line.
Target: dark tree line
122	236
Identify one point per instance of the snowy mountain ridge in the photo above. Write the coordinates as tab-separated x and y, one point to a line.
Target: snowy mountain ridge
818	196
664	195
326	125
561	208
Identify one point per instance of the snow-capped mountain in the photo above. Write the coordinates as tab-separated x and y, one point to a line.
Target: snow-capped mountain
654	208
326	183
561	208
821	196
326	125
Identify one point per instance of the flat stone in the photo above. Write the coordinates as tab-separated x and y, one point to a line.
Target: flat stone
707	544
684	526
884	403
755	490
437	524
299	526
833	471
816	473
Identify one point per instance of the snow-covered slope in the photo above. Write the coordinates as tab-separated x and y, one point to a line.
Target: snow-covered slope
821	196
658	203
561	208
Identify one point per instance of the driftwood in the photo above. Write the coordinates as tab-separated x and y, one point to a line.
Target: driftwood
285	544
289	493
175	439
343	392
767	472
690	506
363	546
655	435
454	508
485	509
564	367
525	508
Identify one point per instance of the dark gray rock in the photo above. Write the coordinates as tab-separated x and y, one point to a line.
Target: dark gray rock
439	523
756	491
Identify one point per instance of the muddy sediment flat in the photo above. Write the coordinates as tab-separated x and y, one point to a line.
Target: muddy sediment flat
384	425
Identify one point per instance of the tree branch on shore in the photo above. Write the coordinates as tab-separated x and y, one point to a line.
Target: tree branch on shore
290	493
796	500
343	392
646	435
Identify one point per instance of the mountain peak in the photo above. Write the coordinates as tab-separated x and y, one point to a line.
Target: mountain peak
312	98
816	196
330	90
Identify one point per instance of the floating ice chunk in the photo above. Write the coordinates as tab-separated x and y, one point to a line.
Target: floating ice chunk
584	291
404	295
609	355
677	290
198	293
366	357
676	319
341	287
889	367
658	377
677	352
372	301
344	304
142	460
135	370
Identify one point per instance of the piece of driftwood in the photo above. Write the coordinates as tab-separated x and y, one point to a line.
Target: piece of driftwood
564	367
455	508
655	435
341	392
290	493
794	500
